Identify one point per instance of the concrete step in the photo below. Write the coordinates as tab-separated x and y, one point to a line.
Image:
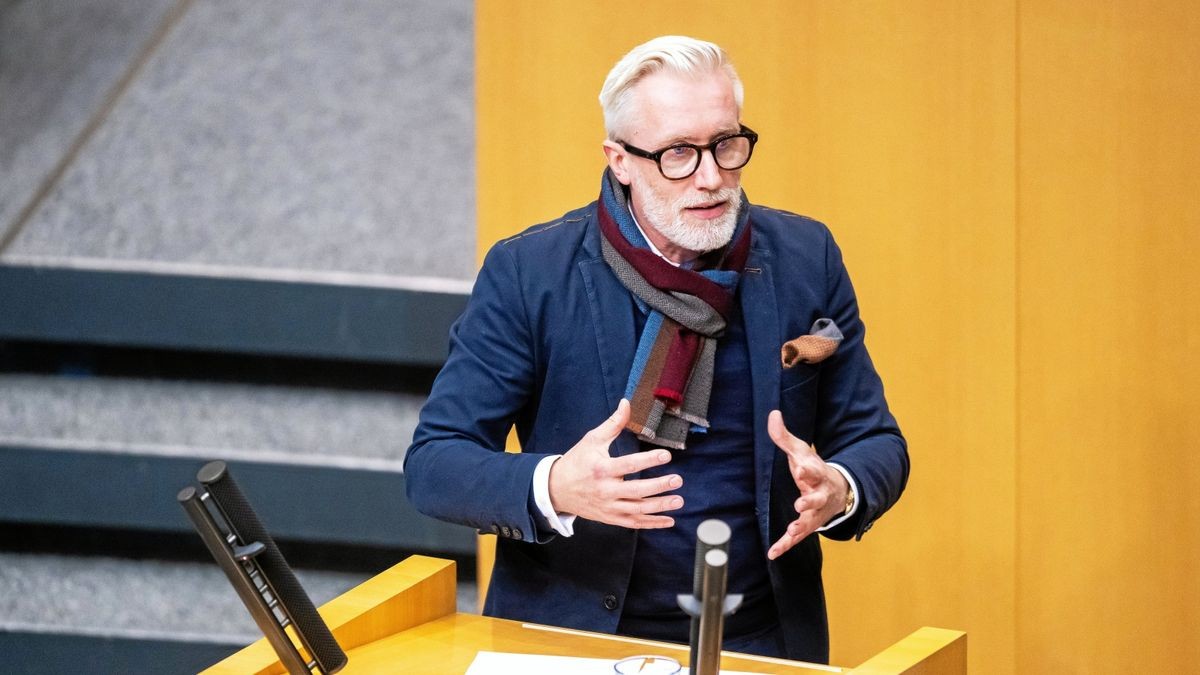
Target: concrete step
180	614
165	417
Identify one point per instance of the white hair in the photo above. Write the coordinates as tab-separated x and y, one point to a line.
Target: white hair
674	53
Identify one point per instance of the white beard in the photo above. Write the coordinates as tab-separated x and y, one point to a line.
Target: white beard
672	222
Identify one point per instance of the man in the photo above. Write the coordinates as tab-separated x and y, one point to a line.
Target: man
719	340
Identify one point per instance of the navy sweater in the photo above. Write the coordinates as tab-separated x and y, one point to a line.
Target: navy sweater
718	482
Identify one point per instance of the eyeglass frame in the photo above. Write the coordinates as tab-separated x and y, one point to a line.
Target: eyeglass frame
744	132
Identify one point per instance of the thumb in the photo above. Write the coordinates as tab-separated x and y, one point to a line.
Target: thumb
612	427
782	437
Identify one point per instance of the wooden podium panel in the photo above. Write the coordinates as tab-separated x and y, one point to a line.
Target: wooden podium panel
404	620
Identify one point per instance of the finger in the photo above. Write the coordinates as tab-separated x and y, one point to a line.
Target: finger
807	476
638	461
783	545
796	531
646	522
784	439
653	505
811	503
610	428
806	524
648	487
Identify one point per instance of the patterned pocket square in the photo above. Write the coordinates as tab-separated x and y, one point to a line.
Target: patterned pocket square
821	342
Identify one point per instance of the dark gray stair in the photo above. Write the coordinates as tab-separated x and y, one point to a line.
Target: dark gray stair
356	503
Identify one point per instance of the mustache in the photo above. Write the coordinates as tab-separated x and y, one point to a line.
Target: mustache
729	194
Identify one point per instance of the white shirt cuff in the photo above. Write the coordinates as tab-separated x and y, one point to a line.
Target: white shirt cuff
563	524
853	488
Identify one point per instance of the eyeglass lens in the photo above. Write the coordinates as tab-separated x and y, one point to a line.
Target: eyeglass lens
680	162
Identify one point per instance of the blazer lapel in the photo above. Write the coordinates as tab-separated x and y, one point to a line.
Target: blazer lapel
612	319
761	316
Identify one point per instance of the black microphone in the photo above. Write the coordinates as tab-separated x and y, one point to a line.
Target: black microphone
259	572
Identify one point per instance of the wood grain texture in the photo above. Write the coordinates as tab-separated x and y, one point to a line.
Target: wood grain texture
403	620
897	121
928	651
410	593
449	645
1109	476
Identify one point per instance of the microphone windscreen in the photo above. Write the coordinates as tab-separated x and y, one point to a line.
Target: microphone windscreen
245	524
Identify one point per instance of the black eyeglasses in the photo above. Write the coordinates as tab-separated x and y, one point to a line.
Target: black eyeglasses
678	161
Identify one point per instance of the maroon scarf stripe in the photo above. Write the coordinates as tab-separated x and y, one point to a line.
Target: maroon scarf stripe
685	347
665	276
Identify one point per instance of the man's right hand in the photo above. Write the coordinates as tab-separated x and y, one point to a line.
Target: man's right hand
587	482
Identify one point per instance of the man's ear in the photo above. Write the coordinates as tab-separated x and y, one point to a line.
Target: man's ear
617	158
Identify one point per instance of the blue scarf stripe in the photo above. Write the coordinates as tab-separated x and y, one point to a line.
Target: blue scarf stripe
642	356
620	214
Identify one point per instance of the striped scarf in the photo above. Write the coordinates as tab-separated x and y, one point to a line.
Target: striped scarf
686	311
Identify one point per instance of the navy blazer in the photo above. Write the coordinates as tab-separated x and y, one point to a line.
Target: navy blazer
546	343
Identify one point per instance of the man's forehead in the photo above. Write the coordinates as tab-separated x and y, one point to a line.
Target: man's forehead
672	107
692	136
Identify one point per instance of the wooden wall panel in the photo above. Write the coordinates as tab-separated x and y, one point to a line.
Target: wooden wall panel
897	127
1109	330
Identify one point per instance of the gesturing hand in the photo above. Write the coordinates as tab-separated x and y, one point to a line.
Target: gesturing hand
586	481
822	488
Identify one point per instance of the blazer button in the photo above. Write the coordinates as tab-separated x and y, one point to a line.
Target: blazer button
516	533
505	531
610	601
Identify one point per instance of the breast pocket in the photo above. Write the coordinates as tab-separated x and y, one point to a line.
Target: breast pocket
798	399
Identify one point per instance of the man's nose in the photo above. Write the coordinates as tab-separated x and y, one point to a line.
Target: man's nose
708	174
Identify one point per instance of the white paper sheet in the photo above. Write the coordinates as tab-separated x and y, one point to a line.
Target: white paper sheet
503	663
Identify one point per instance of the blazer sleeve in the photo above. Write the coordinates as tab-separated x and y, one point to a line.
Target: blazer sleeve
853	424
456	468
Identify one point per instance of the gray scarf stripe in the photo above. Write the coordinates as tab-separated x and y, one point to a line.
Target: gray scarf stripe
686	309
694	408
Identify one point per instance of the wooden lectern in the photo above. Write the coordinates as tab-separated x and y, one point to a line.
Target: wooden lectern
404	620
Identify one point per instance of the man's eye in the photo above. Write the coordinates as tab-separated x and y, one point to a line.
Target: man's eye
679	151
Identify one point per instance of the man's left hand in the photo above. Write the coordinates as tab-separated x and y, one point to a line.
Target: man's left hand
822	488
